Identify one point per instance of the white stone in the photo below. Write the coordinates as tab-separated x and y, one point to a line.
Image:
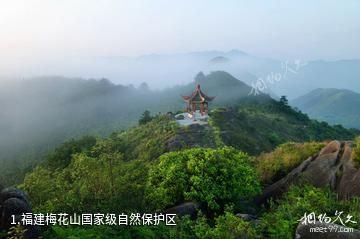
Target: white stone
195	118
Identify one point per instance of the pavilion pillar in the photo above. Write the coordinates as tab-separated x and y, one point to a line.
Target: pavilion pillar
202	108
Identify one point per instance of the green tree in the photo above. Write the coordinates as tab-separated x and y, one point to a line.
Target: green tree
230	226
284	100
145	117
61	156
213	177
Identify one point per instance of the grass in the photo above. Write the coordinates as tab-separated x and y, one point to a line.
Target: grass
356	152
272	166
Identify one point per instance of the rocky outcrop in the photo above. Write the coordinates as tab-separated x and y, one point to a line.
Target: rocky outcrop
325	231
15	202
332	167
191	136
348	185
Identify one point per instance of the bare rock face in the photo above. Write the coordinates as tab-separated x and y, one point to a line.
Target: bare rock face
332	167
191	136
325	231
348	185
321	172
15	202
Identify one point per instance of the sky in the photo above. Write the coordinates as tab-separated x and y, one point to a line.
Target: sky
33	32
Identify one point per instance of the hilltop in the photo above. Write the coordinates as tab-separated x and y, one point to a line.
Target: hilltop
335	106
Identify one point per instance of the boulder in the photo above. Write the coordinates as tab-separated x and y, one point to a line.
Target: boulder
187	208
332	167
331	148
13	193
348	183
13	206
14	202
278	188
321	172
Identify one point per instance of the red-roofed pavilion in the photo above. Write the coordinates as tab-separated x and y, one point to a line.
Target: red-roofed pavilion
197	98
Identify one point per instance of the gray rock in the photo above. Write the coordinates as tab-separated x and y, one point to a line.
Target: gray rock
332	167
348	184
187	208
13	206
14	202
13	193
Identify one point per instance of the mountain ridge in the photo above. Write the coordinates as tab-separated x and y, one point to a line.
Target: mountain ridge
336	106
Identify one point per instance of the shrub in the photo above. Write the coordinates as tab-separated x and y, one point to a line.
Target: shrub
282	219
230	226
272	166
211	177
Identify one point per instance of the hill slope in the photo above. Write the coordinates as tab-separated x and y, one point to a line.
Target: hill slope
335	106
133	170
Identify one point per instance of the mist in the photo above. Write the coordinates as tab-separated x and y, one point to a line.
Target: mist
93	39
87	67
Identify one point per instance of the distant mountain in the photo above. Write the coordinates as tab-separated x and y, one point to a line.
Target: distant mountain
219	60
299	80
335	106
159	71
212	54
297	76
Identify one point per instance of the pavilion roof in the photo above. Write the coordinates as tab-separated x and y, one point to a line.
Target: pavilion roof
198	96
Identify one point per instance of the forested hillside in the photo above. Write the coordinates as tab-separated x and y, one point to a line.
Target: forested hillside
335	106
160	164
